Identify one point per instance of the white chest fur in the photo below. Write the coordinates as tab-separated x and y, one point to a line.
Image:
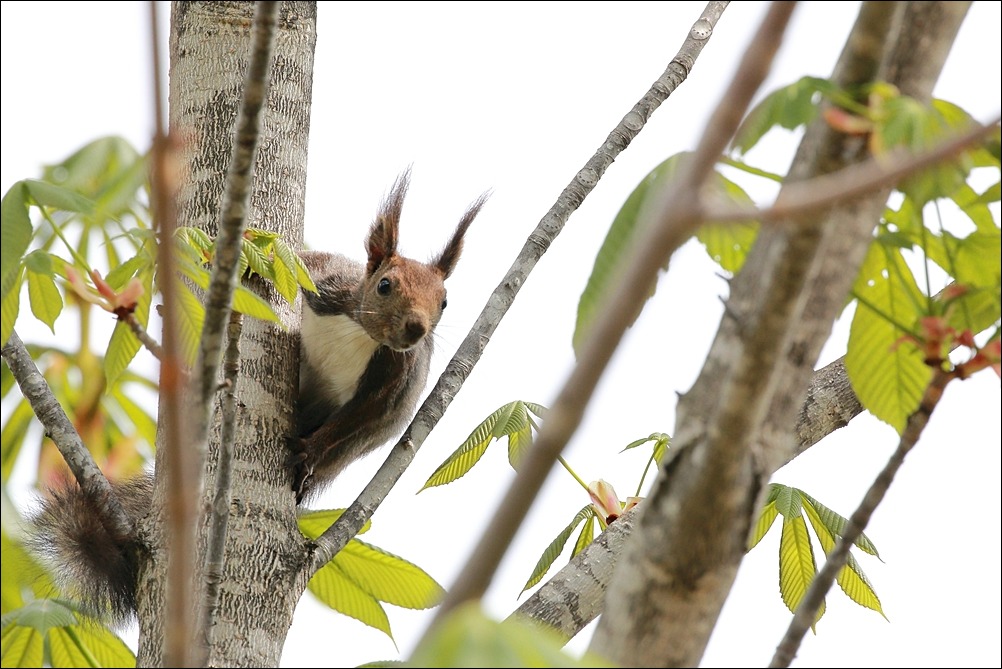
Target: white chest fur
338	349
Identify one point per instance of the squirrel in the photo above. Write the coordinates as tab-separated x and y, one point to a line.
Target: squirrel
366	345
365	349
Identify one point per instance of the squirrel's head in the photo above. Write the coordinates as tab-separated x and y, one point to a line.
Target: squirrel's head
402	299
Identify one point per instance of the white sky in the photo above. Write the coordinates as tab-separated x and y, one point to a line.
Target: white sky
515	97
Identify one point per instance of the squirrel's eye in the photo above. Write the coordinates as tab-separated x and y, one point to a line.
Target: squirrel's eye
445	303
383	288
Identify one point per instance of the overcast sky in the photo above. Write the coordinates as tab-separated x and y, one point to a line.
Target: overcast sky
515	97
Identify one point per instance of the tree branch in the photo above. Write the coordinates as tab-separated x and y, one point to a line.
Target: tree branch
655	245
59	428
469	352
815	596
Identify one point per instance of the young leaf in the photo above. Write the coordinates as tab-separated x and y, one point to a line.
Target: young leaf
834	524
850	578
10	305
765	520
556	547
314	523
16	231
335	589
388	578
789	107
45	299
796	563
286	271
889	376
191	316
510	420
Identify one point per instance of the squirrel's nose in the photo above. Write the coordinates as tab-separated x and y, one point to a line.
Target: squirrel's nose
414	330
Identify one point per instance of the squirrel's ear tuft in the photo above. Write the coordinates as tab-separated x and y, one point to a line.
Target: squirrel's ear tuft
447	259
381	243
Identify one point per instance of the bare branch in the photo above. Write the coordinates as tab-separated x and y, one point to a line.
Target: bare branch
815	596
856	180
469	352
59	428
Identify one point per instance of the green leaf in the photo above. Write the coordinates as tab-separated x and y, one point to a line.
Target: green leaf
850	578
191	317
765	520
247	302
728	243
89	645
16	231
556	547
834	524
519	443
46	194
611	255
286	271
796	563
510	419
387	577
335	589
314	523
585	536
789	107
256	259
21	646
10	306
145	425
888	375
467	638
124	344
45	299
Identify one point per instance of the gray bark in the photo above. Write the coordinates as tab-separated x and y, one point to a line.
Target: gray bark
736	425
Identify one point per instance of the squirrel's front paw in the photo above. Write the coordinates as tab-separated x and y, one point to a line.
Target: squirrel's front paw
302	469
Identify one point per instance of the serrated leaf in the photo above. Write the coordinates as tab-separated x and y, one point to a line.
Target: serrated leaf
513	418
788	501
247	302
764	523
45	299
887	375
796	563
387	577
21	646
469	452
303	275
585	536
519	443
191	317
835	524
16	231
256	259
286	270
120	274
850	578
10	306
556	547
88	645
314	523
335	589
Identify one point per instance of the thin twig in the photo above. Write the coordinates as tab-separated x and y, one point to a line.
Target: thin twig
879	172
219	512
808	608
151	344
469	352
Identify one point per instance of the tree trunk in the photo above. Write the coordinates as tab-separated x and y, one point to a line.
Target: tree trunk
210	44
737	423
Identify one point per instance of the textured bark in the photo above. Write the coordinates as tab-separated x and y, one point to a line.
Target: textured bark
210	45
736	425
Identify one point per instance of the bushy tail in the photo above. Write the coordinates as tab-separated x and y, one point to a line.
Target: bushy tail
89	564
